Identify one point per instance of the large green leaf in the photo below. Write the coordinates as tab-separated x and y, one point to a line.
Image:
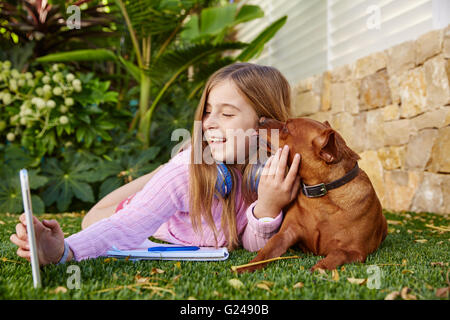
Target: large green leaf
214	20
174	62
191	29
132	69
11	192
109	185
70	179
247	13
79	55
255	47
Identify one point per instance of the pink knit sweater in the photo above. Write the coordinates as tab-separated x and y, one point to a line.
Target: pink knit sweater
161	210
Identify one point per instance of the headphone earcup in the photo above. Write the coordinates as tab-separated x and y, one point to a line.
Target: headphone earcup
255	175
224	182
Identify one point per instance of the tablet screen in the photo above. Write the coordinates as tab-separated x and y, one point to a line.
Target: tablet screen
26	196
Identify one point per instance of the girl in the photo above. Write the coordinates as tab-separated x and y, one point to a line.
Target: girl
179	204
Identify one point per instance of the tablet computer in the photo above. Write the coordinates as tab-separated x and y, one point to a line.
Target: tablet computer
26	196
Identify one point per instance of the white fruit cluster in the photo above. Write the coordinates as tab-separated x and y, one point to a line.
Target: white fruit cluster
44	98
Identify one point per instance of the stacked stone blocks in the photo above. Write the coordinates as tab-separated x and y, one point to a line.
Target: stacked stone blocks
393	108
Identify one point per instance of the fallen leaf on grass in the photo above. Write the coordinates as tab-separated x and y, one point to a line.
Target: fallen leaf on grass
421	240
321	271
236	283
107	260
298	285
440	228
60	289
335	275
405	294
142	279
407	271
394	222
441	264
156	271
265	285
444	292
392	295
2	222
357	281
176	278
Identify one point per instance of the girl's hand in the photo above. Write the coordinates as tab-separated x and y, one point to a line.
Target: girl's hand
49	240
275	190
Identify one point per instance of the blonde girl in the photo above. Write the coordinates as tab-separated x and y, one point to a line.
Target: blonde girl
178	202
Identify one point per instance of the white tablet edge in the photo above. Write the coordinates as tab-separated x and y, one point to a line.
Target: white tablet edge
26	196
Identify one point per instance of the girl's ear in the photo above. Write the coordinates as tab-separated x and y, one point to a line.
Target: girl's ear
325	146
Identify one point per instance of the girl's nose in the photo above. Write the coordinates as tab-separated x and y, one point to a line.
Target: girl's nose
210	122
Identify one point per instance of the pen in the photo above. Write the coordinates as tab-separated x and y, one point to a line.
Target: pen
182	248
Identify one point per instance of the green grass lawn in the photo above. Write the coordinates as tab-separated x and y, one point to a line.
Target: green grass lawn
413	255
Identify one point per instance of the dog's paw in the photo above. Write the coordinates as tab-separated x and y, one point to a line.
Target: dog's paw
319	266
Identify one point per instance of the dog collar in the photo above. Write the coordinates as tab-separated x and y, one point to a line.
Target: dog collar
321	189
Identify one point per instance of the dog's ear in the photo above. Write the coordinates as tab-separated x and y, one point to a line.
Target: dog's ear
325	146
327	124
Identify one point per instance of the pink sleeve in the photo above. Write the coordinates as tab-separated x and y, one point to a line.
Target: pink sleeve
257	232
160	198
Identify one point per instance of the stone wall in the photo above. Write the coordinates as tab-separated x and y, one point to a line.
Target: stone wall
393	109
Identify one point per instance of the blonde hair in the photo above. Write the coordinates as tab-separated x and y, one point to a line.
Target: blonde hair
268	92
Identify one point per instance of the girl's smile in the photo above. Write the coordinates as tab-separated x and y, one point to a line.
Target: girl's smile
227	114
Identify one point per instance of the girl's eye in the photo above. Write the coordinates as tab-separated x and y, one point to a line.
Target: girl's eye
228	115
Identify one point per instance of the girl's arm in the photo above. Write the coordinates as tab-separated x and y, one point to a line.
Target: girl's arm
158	200
108	204
258	231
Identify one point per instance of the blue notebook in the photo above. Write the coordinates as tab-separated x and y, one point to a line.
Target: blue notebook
158	251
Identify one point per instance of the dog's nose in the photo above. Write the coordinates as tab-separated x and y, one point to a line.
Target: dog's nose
262	120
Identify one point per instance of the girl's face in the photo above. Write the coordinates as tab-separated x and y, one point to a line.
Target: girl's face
228	122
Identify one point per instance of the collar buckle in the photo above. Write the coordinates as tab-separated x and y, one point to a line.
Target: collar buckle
315	191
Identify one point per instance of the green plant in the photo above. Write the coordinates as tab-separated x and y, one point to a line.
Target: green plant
14	159
54	108
122	166
51	28
165	46
68	178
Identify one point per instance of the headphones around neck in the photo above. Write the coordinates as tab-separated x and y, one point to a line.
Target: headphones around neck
224	182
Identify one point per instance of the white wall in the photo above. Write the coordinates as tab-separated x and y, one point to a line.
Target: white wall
320	35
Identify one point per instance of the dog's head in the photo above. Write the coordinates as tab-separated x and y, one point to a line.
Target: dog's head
318	144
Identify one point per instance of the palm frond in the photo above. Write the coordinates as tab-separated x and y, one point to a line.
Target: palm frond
174	60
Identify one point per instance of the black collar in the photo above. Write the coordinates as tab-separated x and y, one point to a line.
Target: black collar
321	189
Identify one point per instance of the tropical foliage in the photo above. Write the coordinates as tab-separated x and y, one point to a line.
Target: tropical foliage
73	101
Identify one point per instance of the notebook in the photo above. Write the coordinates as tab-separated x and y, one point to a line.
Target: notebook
202	254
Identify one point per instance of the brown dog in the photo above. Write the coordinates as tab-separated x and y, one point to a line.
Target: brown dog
344	224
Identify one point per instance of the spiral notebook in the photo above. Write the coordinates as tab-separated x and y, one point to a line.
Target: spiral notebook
176	252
